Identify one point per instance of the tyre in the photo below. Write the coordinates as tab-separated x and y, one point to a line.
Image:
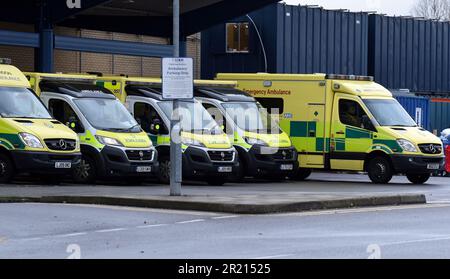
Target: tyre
6	169
418	178
86	172
164	170
380	170
302	174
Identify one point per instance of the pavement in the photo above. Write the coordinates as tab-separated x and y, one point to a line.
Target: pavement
322	191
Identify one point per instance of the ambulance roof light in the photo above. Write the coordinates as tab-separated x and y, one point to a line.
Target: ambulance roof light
350	77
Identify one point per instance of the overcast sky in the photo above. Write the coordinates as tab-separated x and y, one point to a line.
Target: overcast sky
391	7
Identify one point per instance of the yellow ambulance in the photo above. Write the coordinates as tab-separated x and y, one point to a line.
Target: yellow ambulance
112	142
265	150
346	123
207	151
31	141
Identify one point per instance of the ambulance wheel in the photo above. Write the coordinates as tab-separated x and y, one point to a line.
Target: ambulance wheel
418	179
6	169
86	172
164	170
302	174
380	170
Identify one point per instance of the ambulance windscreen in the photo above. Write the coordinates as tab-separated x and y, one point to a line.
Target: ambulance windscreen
21	103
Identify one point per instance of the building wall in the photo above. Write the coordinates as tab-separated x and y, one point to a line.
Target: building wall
297	39
410	53
80	62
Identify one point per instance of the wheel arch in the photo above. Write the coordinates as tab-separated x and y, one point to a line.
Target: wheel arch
375	154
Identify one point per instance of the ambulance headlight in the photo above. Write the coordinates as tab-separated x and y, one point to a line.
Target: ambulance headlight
31	140
406	145
253	141
108	141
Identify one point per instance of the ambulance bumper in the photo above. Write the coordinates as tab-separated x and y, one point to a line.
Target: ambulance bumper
417	164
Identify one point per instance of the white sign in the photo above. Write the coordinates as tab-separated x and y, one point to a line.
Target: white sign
419	116
177	78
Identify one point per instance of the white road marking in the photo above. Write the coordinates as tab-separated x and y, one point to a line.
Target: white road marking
138	209
71	235
31	239
225	217
274	257
151	226
416	241
191	221
111	230
361	210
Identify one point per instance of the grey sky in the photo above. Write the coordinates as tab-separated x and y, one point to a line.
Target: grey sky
391	7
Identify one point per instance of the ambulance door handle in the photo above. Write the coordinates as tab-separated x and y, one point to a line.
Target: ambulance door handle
340	133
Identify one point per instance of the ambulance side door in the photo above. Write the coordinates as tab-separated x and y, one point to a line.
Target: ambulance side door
150	119
352	133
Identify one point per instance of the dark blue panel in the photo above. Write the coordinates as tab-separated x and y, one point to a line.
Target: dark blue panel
410	53
24	39
113	47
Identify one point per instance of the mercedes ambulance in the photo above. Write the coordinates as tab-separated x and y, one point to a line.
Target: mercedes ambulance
31	141
207	152
112	142
264	149
346	123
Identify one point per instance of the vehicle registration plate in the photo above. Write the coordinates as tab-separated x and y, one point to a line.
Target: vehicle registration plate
63	165
143	169
225	169
433	166
287	167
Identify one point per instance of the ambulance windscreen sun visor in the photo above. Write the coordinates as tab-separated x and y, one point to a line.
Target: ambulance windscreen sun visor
21	103
107	115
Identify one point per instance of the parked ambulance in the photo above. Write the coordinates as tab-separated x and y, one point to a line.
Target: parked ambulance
346	123
207	152
264	149
112	142
31	141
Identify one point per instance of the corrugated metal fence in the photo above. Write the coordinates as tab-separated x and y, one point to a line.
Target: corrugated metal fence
314	40
410	53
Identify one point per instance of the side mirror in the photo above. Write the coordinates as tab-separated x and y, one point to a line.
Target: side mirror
74	124
155	127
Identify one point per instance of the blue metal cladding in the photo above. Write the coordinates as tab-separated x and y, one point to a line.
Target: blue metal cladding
215	59
297	39
416	106
439	115
314	40
410	53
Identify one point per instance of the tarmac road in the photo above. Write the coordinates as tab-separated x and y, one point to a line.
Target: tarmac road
62	231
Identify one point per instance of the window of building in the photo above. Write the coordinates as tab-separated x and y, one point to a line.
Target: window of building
238	37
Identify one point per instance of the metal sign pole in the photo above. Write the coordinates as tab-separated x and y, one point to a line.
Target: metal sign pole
175	144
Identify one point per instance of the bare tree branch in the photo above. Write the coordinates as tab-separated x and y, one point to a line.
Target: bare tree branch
433	9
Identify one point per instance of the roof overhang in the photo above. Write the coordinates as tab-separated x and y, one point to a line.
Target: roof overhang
146	17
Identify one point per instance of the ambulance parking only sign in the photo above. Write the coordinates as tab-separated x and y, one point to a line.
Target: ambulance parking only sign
177	78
